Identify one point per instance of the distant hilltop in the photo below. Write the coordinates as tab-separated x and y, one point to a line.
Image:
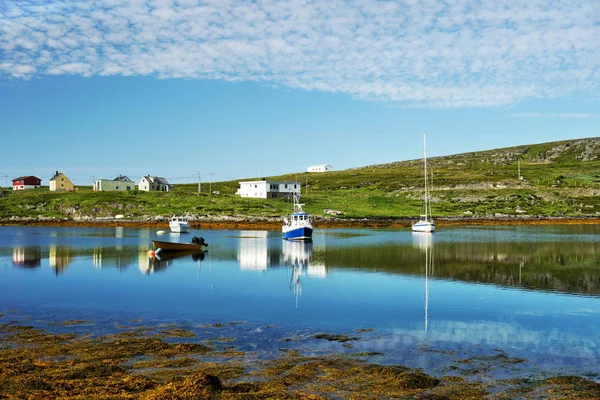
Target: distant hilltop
562	151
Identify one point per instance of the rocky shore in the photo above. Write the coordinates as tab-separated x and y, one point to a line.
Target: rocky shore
236	222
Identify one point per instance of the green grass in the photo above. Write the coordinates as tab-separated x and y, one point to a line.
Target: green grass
556	183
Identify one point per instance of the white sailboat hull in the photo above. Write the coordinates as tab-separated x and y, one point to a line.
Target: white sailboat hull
423	227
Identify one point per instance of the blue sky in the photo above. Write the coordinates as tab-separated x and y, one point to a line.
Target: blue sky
240	88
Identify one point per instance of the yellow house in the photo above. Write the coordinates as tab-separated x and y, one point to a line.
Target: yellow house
59	182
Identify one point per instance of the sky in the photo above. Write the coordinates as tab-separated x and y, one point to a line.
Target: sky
242	89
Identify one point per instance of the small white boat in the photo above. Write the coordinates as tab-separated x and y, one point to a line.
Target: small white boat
298	225
425	223
179	224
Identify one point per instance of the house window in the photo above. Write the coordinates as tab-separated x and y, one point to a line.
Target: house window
286	186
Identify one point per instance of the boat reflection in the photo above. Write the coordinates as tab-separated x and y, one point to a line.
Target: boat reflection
59	258
298	256
149	265
27	257
424	242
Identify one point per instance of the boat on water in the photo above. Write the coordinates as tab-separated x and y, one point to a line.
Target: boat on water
425	223
197	244
179	224
297	226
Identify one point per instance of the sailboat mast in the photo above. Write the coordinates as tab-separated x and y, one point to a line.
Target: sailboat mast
425	174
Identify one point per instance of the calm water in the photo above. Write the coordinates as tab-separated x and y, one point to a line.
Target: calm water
430	300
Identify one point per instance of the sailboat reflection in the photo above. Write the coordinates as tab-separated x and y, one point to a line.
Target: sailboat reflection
27	257
149	265
424	242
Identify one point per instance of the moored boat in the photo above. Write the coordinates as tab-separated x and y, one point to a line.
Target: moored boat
297	226
425	223
179	224
196	245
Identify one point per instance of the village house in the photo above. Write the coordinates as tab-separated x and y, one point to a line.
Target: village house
319	168
120	183
59	182
154	184
26	182
268	189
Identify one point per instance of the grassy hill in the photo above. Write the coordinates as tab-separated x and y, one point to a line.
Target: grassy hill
558	179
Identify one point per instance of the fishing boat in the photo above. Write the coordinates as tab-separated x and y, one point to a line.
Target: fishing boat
297	226
179	224
425	223
197	244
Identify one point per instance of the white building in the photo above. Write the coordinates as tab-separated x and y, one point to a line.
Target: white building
154	184
268	189
319	168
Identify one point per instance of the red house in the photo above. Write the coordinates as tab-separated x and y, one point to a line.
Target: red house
26	182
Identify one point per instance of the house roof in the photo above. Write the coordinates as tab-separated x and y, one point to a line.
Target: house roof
25	177
122	178
320	165
55	176
271	182
157	179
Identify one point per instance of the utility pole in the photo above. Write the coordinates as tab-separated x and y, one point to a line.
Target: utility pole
306	186
93	181
199	183
210	182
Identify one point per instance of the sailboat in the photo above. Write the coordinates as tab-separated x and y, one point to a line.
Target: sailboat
425	223
298	226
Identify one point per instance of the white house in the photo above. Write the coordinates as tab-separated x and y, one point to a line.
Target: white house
154	184
268	189
319	168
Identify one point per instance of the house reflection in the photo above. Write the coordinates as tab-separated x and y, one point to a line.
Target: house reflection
27	257
59	258
254	253
119	257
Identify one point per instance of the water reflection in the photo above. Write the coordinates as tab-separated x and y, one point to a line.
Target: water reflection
254	253
149	265
119	257
424	242
59	258
27	257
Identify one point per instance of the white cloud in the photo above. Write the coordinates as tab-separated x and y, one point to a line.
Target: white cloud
554	115
436	53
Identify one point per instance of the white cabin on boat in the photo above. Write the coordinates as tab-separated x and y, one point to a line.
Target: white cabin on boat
268	189
319	168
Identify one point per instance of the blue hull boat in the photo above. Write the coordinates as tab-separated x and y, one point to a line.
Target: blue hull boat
297	226
298	234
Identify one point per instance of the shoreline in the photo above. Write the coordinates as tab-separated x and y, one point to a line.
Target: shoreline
72	359
274	223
